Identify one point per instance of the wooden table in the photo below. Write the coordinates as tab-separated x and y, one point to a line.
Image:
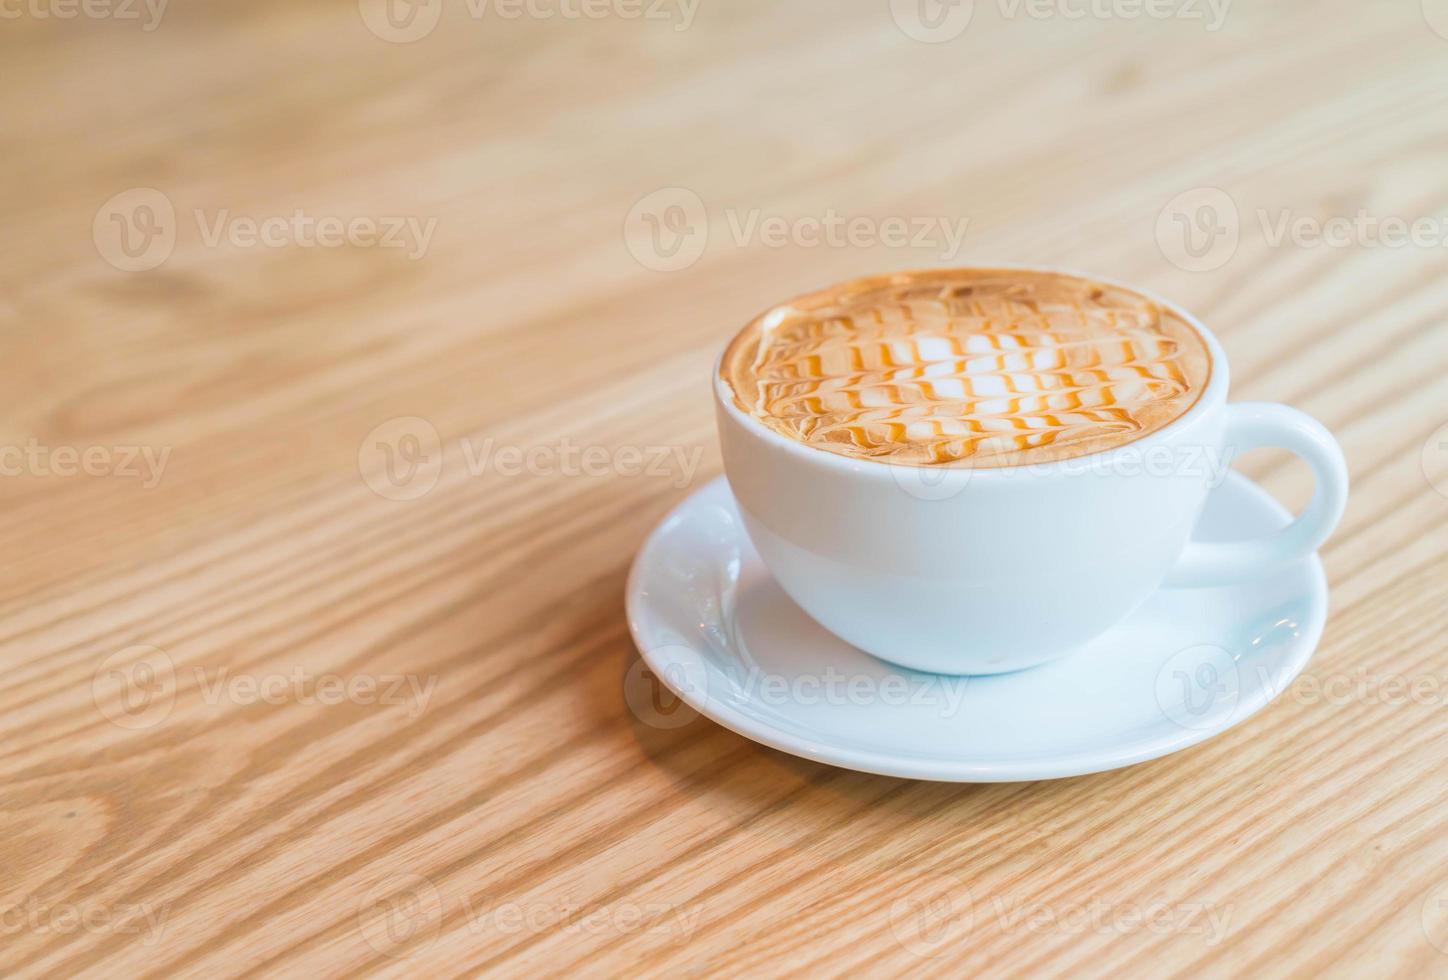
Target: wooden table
314	659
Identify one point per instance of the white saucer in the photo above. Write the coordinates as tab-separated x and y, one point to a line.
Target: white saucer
1190	663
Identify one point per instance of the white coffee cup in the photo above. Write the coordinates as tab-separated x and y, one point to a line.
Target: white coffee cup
979	571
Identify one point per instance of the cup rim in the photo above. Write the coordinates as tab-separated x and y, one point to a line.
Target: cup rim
1213	394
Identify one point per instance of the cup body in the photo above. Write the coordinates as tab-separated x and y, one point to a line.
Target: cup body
974	571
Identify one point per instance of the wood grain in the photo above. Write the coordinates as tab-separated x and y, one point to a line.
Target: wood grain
503	811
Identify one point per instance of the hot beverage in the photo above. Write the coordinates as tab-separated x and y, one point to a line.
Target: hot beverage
972	367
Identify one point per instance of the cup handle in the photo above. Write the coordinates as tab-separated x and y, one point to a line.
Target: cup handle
1255	425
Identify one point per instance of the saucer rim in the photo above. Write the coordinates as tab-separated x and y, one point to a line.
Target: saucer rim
884	763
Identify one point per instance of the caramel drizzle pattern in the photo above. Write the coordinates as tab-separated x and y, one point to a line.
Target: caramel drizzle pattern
917	377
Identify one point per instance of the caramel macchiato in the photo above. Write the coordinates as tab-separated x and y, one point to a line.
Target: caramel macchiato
972	367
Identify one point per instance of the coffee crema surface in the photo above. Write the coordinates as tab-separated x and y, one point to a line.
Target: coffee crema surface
972	367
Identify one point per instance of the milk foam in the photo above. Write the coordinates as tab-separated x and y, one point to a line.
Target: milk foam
973	367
